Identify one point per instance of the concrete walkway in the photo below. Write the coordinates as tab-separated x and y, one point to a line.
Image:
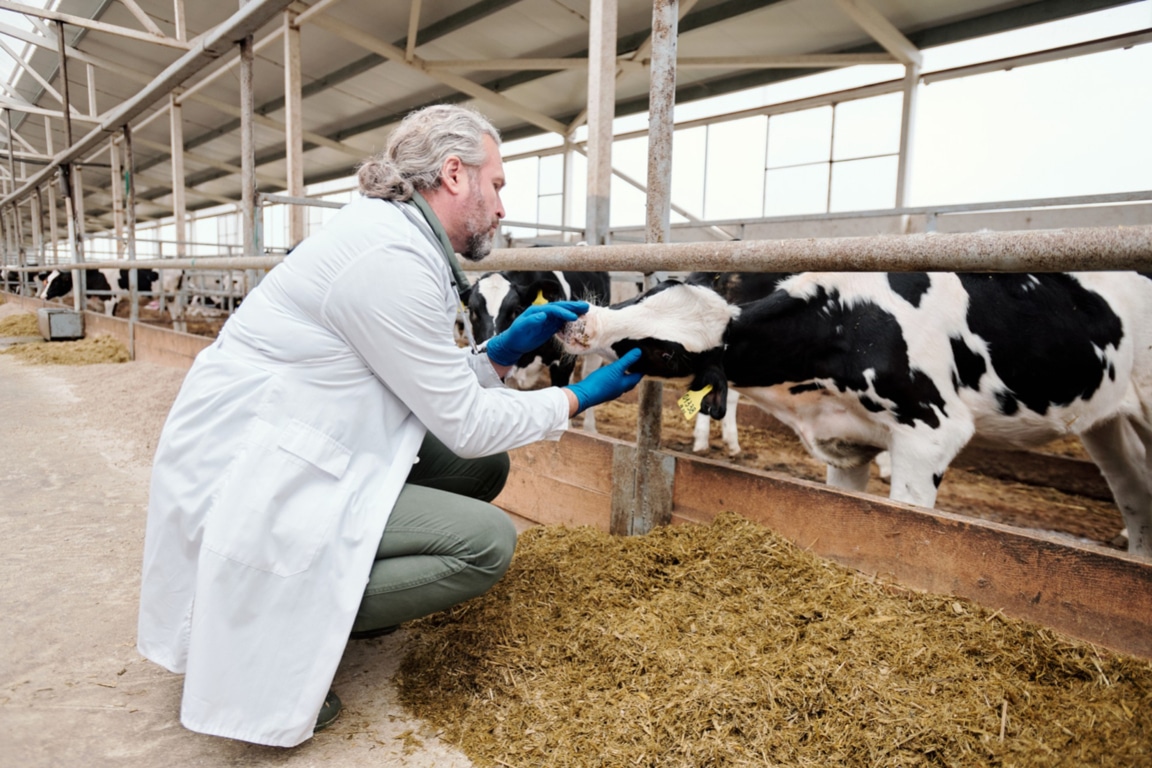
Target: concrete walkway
73	689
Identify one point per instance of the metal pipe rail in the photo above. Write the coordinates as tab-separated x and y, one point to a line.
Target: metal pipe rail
292	200
1057	250
1054	250
930	212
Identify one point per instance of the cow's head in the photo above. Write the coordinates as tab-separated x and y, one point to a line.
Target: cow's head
498	298
678	327
55	285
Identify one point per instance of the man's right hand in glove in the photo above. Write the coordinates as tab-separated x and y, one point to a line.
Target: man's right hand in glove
604	384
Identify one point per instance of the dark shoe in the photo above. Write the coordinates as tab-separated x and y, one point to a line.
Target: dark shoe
329	712
365	634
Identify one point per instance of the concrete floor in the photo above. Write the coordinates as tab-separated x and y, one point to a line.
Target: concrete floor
73	689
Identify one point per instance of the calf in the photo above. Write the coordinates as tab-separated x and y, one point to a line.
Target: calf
736	288
917	364
114	282
498	298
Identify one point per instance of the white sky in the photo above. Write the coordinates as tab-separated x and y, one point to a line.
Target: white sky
1073	127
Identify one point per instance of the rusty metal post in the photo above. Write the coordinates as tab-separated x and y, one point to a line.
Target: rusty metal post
653	487
907	136
247	146
130	230
601	111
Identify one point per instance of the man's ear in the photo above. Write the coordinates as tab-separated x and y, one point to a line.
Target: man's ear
452	174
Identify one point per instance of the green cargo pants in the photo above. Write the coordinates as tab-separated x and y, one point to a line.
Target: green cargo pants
443	544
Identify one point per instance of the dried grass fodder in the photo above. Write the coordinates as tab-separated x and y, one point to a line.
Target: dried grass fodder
98	349
725	645
22	324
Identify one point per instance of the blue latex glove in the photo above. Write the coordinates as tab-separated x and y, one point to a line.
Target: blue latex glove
535	326
607	383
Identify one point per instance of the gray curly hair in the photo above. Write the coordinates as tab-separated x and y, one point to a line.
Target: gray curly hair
418	147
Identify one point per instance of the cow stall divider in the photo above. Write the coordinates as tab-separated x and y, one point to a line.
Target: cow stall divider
1083	590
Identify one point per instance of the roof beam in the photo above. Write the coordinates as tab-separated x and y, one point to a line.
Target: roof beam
231	168
882	31
433	31
142	17
205	49
95	26
698	62
476	91
278	125
21	106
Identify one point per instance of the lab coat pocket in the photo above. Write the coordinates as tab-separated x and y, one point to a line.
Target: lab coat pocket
277	508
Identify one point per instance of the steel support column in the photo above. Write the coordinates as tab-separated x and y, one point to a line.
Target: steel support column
247	147
601	112
652	505
907	134
294	126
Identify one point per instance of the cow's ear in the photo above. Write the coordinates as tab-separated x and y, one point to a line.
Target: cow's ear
544	291
466	295
715	403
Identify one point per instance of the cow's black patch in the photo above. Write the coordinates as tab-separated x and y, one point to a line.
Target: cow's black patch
1006	404
811	386
910	286
782	339
871	404
970	366
1043	332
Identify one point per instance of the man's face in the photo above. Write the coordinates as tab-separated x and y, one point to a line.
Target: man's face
483	208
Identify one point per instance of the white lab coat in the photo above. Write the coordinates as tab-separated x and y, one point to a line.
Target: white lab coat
284	453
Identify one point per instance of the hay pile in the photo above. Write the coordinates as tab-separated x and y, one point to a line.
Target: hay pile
724	645
98	349
20	324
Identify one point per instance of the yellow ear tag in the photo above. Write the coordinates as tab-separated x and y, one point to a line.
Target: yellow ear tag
539	299
690	402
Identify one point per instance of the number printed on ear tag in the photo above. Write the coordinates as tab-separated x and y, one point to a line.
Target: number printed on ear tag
690	402
539	299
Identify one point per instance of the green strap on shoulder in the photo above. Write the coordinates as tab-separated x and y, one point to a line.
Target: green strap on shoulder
446	248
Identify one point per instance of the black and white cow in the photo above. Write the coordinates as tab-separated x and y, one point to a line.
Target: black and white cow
917	364
114	282
498	298
10	280
737	288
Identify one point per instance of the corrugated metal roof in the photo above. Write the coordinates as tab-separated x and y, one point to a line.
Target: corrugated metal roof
353	95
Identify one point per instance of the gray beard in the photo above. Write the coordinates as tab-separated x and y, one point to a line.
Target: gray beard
479	245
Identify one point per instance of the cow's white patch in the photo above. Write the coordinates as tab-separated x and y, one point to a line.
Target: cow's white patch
494	288
689	315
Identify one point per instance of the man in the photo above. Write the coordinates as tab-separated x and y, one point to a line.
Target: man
326	467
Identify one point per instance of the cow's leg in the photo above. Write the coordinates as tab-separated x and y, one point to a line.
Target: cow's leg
849	478
701	432
729	432
1121	451
884	464
919	461
588	364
